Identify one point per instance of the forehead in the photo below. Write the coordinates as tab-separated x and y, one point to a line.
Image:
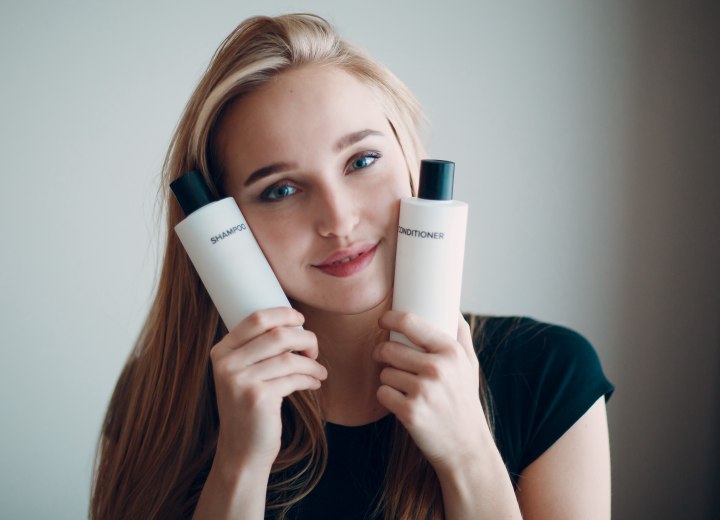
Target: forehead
299	112
308	87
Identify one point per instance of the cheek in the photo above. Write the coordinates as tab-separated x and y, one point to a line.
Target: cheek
393	215
400	190
392	225
383	212
392	209
275	238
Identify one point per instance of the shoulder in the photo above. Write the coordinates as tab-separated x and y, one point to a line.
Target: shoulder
541	379
524	344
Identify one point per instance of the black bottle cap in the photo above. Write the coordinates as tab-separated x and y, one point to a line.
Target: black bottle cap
436	179
191	191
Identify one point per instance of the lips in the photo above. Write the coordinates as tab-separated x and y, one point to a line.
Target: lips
348	261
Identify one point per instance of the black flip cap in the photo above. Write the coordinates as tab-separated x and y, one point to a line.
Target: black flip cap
191	191
436	180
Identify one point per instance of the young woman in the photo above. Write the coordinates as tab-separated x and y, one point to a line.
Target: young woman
317	143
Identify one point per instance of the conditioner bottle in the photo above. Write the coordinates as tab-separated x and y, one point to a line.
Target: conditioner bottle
223	250
430	251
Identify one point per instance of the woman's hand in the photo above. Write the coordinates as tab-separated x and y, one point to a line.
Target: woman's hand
434	393
262	360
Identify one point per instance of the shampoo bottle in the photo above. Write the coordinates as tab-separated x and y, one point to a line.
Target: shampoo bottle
223	250
430	251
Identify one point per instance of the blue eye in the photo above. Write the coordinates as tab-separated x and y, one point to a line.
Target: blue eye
278	192
364	161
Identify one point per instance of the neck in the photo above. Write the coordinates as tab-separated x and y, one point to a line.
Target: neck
346	343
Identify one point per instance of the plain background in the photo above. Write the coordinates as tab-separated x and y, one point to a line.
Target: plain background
587	141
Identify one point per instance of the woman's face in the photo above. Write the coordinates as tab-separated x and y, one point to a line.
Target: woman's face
318	173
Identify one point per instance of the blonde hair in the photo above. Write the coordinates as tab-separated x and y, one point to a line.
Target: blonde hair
160	430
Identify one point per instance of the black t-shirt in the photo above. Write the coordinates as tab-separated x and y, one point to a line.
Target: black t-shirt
541	378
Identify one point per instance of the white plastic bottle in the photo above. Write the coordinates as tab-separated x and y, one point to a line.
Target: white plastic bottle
430	251
223	250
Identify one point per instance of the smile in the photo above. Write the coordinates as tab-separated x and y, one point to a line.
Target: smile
349	261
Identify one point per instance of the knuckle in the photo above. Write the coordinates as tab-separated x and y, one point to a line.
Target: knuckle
314	348
384	397
278	334
454	353
417	390
382	351
407	321
233	337
444	370
220	368
294	314
309	335
433	371
288	357
259	320
252	395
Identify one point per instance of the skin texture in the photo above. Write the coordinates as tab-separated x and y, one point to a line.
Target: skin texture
333	177
299	119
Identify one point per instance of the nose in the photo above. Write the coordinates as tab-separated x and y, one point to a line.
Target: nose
336	211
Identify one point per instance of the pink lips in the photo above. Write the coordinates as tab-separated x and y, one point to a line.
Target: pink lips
347	262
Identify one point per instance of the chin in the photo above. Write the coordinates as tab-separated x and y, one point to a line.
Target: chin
348	303
361	307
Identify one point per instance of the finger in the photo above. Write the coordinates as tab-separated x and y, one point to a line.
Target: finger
284	365
404	382
228	359
260	322
277	341
393	400
465	337
284	386
417	330
399	356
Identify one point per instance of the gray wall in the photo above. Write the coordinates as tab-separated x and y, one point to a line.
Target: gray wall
587	139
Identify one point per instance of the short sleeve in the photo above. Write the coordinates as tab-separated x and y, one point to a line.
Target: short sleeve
542	379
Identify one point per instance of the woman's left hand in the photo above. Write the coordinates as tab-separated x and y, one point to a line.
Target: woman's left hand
434	393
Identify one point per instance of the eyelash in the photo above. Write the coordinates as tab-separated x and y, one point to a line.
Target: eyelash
365	155
267	194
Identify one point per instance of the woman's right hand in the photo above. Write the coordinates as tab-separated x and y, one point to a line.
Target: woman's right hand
262	360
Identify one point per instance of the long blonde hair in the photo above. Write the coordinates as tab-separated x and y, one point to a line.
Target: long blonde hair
160	430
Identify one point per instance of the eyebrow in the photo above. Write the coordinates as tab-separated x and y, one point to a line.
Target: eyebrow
267	170
353	138
343	142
